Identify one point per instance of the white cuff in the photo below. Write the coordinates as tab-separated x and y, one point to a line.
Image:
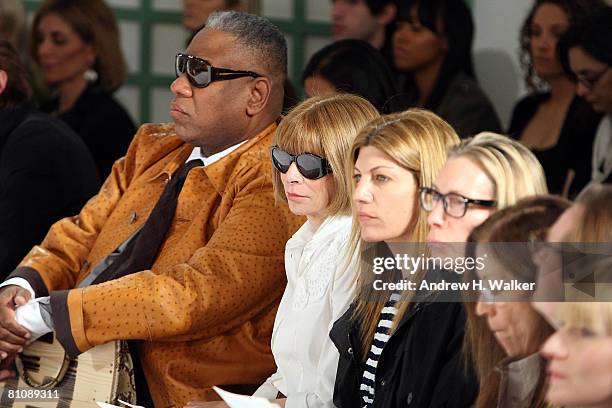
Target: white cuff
20	282
29	316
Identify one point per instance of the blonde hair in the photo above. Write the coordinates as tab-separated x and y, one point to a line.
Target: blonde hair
587	315
417	140
13	22
95	23
513	169
325	126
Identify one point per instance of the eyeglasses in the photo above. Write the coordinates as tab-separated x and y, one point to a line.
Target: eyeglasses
455	205
309	165
592	80
200	73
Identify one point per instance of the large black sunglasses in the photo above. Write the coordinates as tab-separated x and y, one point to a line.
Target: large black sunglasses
309	165
200	73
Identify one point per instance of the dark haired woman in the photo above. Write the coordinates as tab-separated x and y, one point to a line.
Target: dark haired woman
504	333
355	67
46	172
76	45
552	121
433	46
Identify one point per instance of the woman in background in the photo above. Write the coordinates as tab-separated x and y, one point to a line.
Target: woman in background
552	121
76	45
433	46
46	171
356	67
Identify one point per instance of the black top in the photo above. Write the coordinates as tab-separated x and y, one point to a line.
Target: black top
422	364
574	149
464	105
102	123
46	173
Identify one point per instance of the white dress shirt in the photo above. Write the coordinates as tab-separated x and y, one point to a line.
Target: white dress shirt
321	281
29	315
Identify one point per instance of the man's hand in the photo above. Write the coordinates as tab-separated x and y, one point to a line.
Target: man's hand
12	335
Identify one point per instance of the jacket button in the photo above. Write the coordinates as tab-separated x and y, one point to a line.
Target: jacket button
409	399
350	351
133	217
383	383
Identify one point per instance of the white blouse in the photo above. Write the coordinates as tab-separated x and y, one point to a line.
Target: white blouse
321	282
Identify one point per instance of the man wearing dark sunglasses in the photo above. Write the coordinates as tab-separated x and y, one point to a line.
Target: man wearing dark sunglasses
182	248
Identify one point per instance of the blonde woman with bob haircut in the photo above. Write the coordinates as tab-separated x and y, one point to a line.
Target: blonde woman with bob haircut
311	145
394	351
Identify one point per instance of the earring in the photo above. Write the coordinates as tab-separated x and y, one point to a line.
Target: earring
90	75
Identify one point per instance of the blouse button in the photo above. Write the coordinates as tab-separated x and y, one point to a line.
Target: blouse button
350	351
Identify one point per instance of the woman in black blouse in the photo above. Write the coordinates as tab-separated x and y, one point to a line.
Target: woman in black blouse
432	46
76	45
552	120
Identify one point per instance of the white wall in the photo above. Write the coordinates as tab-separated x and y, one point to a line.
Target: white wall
496	47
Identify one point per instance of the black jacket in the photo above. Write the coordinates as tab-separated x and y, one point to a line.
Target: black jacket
102	123
46	173
421	366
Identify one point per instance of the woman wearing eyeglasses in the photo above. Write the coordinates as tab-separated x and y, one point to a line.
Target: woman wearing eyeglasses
311	146
482	174
552	121
586	49
396	351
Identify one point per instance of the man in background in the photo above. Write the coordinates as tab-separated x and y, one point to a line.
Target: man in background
367	20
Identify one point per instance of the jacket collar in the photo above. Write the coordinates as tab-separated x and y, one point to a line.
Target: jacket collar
520	378
220	171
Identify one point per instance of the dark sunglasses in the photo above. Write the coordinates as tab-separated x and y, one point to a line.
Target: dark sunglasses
200	73
309	165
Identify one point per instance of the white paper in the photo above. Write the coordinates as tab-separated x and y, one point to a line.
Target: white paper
107	405
243	401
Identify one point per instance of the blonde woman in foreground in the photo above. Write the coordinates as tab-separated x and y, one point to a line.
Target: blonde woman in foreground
394	351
